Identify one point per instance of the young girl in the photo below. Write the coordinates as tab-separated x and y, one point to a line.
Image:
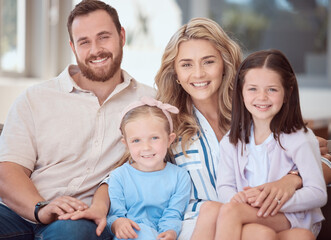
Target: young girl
148	195
268	139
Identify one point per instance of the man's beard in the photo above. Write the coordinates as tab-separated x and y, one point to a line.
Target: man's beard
104	74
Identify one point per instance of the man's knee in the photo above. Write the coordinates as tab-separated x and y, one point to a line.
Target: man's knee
74	230
12	226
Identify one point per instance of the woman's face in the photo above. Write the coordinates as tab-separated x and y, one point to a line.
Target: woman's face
199	68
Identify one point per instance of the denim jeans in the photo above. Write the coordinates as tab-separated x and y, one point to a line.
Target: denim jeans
14	227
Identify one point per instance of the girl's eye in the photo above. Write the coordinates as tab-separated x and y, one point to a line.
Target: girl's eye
272	90
251	89
155	138
135	141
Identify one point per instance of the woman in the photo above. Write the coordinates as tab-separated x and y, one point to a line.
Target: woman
196	75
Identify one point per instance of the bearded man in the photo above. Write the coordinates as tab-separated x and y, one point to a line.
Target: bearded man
62	137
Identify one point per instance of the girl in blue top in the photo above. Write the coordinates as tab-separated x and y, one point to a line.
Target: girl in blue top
268	139
148	194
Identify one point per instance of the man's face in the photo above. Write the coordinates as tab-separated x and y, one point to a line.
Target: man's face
97	45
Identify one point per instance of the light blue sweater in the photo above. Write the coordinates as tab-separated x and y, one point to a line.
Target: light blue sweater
157	199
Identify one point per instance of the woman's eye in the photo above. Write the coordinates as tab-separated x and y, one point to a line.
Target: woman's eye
186	65
209	62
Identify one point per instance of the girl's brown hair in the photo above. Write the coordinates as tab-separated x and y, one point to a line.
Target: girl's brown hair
288	119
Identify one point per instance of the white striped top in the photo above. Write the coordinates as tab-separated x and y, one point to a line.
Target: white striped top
201	165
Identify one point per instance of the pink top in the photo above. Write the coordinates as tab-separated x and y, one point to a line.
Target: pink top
302	153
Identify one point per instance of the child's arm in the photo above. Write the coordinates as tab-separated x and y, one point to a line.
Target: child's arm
173	215
117	198
306	156
226	175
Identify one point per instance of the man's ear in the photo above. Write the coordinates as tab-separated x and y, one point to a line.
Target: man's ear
172	137
123	36
72	45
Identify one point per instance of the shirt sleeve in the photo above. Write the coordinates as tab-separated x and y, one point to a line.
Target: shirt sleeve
226	178
116	196
18	142
313	194
173	215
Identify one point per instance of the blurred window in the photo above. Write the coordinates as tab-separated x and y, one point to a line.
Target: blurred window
12	36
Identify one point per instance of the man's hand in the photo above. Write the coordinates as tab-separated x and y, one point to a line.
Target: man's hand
167	235
94	213
123	228
60	206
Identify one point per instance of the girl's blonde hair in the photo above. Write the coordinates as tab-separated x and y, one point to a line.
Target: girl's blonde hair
185	123
137	112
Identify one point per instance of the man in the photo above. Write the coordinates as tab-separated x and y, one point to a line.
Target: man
62	137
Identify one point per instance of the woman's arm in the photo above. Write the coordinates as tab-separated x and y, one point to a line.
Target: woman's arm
264	196
326	166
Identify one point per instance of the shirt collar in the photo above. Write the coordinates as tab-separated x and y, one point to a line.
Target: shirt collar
69	85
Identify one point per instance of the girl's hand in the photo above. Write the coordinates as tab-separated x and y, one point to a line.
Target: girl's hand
273	195
98	215
251	195
167	235
240	197
123	228
59	206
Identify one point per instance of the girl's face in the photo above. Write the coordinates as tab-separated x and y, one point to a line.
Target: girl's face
263	94
199	68
147	141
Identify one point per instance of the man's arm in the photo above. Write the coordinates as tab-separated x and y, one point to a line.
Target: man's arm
17	190
20	194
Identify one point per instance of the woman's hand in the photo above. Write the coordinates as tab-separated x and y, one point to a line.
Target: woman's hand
323	143
270	197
